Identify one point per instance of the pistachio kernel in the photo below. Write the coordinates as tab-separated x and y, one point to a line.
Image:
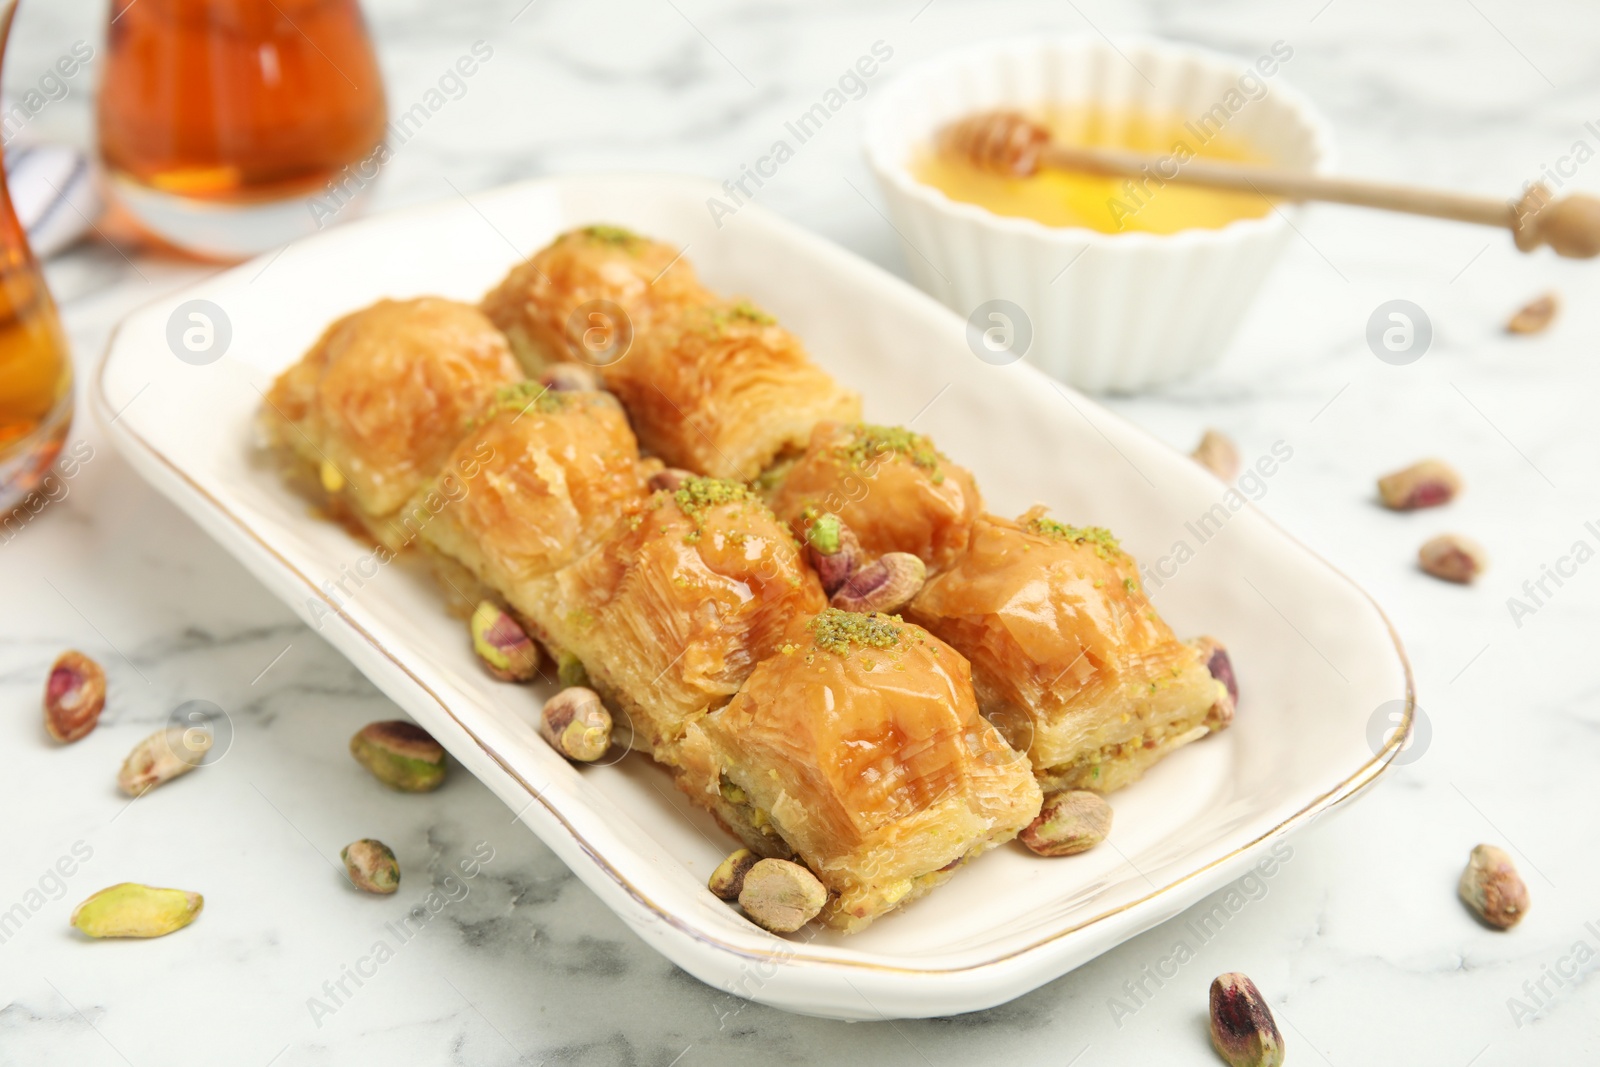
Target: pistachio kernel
1217	453
1493	889
503	645
883	586
669	478
570	670
1536	315
74	696
832	550
781	896
1426	484
132	910
1214	654
1070	822
371	866
576	724
1242	1027
161	757
1453	558
727	880
401	755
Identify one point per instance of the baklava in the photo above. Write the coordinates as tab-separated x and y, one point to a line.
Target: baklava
537	480
859	749
1069	658
561	304
373	409
892	488
677	603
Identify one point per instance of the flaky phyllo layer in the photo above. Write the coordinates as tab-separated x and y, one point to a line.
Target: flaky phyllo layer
859	749
1069	658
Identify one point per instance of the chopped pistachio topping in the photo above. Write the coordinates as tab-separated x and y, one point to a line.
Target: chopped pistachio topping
836	631
1105	544
870	442
697	493
525	395
612	235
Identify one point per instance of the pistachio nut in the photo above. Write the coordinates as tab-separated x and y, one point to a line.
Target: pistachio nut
1453	558
1214	654
670	479
1217	453
1535	316
161	757
1070	822
503	645
401	755
832	550
1493	889
728	879
133	910
883	586
1242	1027
577	724
781	896
1425	484
371	866
74	696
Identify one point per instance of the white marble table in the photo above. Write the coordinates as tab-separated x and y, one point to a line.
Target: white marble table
1358	940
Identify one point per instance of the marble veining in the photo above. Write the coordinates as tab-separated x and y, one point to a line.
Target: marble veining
1357	939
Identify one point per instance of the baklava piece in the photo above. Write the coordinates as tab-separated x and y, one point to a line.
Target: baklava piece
373	409
1069	658
534	484
558	305
859	750
889	486
674	607
723	390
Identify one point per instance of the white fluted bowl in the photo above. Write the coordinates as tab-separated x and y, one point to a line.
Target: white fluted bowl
1102	312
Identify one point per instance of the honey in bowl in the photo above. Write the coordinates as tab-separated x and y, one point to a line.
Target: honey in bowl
1104	203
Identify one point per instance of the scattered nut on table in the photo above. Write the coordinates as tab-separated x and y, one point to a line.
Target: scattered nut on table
1217	453
1422	485
832	550
401	755
371	866
133	910
727	880
781	896
1493	889
161	757
1536	315
74	696
576	723
1071	821
503	645
1242	1027
884	586
1453	558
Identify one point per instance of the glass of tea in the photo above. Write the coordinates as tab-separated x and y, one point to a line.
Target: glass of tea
228	127
35	368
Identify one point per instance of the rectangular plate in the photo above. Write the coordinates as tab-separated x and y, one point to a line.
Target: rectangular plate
1318	661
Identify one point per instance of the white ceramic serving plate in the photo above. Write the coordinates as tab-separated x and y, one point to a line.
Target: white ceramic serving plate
1315	655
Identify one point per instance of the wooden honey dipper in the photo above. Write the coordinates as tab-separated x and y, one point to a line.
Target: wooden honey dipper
1010	143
